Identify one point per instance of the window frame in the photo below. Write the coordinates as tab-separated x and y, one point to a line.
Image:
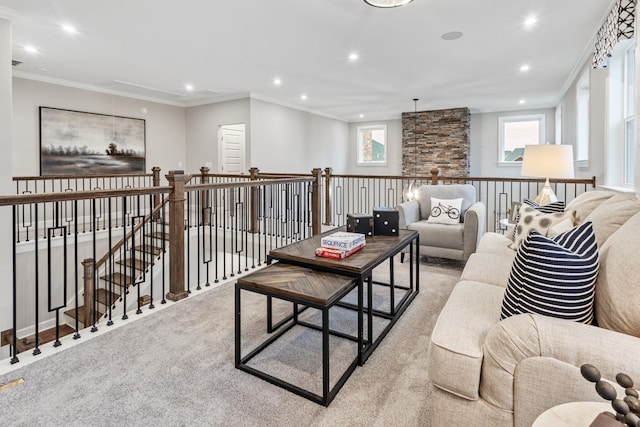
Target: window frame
629	115
582	148
360	145
502	120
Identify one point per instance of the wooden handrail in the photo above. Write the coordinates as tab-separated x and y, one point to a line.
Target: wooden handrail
54	177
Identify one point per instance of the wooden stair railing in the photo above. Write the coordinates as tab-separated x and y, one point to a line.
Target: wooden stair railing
96	295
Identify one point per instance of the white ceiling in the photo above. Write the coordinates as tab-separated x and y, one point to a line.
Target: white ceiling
228	49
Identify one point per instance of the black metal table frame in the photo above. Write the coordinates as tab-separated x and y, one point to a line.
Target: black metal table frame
327	393
367	346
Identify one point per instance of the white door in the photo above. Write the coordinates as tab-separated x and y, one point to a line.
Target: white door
231	143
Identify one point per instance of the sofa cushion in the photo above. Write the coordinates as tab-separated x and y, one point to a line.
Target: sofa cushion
554	276
455	353
587	202
611	214
617	303
548	208
495	243
476	268
531	219
454	191
440	235
445	211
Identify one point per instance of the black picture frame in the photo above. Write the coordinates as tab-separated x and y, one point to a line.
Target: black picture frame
82	143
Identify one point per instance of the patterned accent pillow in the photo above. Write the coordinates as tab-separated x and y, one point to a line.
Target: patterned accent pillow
554	276
531	219
445	211
548	208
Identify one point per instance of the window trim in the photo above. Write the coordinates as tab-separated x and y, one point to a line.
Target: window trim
502	120
359	145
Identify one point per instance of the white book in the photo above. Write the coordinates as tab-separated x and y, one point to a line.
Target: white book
343	240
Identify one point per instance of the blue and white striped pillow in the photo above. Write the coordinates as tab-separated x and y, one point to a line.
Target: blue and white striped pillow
554	276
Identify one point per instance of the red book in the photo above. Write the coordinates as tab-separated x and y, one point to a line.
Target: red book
337	253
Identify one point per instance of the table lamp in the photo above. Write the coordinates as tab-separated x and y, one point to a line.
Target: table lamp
547	161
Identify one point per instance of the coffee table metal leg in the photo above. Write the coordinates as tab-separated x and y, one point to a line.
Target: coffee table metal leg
237	325
392	294
361	348
269	314
325	356
370	308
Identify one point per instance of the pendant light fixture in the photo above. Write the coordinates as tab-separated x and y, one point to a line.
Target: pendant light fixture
411	191
387	3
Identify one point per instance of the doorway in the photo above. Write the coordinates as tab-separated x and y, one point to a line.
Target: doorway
231	143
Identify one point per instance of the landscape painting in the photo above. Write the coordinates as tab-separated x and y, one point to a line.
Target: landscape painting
79	143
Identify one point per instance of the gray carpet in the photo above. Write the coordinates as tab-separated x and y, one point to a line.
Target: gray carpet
175	368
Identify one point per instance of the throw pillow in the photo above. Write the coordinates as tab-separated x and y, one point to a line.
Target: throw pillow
548	208
445	211
531	219
554	276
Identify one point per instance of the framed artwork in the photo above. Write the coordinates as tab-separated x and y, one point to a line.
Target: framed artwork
372	145
79	143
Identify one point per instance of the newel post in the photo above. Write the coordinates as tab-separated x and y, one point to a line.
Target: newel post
254	200
176	236
434	176
327	196
87	277
156	183
204	194
315	201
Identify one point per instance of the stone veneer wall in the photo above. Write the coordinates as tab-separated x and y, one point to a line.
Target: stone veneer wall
442	142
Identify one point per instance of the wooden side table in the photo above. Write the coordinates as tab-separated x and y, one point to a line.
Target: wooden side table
573	414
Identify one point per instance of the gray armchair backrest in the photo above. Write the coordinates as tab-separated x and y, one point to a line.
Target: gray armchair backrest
466	192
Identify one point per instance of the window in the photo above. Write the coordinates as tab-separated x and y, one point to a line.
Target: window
515	133
582	119
629	113
372	145
559	124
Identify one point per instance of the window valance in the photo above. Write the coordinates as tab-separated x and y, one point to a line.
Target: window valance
618	25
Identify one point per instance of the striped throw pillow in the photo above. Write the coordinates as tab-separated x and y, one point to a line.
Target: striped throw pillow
549	208
554	276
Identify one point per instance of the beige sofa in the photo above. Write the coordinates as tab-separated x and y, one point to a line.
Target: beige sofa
487	372
457	241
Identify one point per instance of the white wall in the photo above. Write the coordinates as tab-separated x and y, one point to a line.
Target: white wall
485	140
597	121
394	150
6	187
203	123
165	124
288	140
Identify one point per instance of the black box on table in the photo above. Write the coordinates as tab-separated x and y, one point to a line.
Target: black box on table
385	221
360	223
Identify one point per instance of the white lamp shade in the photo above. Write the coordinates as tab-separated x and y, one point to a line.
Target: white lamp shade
387	3
548	161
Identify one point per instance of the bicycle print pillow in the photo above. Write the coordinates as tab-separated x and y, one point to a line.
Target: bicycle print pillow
445	211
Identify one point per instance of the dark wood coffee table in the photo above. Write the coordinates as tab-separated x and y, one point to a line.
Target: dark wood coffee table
300	285
360	266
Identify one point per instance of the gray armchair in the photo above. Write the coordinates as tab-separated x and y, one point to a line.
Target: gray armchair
457	241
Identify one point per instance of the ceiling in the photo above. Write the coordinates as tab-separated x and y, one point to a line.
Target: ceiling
230	49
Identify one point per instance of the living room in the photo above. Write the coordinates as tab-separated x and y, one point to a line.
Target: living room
182	129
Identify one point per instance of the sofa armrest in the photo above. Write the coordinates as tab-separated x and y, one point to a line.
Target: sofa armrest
519	340
474	220
409	213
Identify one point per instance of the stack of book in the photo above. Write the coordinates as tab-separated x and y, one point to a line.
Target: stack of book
340	245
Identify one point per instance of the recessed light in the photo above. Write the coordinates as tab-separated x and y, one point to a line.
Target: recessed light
277	81
524	68
188	87
522	101
530	21
353	57
451	35
69	29
303	96
31	49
